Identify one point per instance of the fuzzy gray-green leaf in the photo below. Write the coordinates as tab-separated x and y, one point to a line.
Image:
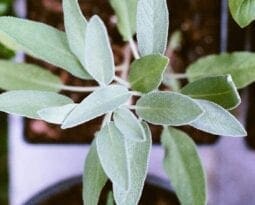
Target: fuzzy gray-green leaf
242	11
168	108
40	41
75	27
94	177
26	103
56	115
128	124
218	89
99	60
99	102
126	16
21	76
216	120
152	26
138	159
146	73
183	167
240	65
112	154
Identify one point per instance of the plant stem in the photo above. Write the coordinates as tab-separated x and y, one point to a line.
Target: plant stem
132	107
135	93
79	88
121	81
178	75
133	48
107	119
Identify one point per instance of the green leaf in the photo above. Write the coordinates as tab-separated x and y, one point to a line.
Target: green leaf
183	167
56	115
14	76
110	199
240	65
99	102
218	89
98	54
75	26
40	41
138	158
152	26
94	178
216	120
242	11
146	73
168	108
128	124
112	154
126	15
27	103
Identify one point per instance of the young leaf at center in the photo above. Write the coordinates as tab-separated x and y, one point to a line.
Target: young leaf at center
152	26
99	60
168	108
99	102
216	120
111	151
218	89
183	167
26	102
146	73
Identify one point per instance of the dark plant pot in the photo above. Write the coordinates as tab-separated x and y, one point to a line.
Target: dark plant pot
69	192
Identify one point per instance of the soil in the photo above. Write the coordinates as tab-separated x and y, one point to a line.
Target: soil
200	27
72	195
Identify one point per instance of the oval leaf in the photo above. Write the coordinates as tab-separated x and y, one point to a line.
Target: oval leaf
94	178
101	101
126	15
240	65
138	159
75	27
242	11
146	73
218	89
98	54
14	76
168	108
27	103
40	41
56	115
128	124
216	120
112	154
183	167
152	26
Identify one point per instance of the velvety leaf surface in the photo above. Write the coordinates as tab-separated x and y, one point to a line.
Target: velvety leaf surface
218	89
40	41
146	73
128	124
126	16
14	76
242	11
98	54
152	26
168	108
218	121
75	27
56	115
94	178
101	101
27	103
138	154
112	154
183	167
240	65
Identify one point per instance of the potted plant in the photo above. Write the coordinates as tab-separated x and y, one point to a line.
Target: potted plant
121	148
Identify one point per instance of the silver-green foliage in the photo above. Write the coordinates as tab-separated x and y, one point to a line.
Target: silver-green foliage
183	167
